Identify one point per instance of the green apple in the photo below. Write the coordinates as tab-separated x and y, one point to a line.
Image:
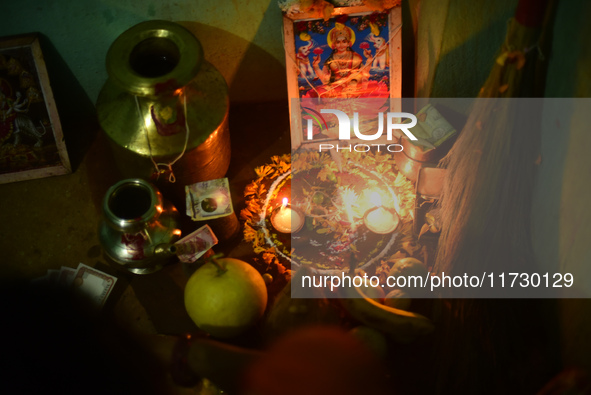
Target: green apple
226	297
413	271
408	267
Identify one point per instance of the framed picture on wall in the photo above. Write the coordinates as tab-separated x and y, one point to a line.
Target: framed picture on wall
31	139
355	54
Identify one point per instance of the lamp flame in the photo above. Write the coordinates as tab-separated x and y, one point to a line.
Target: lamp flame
284	204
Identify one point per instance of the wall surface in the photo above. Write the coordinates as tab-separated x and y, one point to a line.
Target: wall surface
562	215
456	46
242	39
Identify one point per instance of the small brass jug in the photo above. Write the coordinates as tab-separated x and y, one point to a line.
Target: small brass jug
137	226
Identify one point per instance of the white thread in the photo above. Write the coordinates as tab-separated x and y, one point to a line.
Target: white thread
171	177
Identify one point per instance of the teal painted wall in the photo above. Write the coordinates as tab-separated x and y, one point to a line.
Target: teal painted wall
456	41
562	215
455	49
242	39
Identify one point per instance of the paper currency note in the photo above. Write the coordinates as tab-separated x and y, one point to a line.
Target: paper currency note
94	284
209	199
66	276
432	128
193	246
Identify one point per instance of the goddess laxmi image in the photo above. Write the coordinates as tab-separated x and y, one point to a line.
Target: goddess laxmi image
344	57
344	64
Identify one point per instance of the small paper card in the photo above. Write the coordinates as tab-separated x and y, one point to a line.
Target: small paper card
94	284
53	276
66	276
193	246
209	199
43	280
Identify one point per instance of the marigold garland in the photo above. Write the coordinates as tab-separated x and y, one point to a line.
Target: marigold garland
256	194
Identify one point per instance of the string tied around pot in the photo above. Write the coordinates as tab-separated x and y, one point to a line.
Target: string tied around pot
157	165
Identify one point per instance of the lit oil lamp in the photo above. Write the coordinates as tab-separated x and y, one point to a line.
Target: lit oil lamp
380	219
287	220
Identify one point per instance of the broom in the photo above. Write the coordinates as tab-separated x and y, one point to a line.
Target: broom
486	196
485	218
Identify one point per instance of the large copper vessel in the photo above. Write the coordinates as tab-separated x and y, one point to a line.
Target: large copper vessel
164	108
